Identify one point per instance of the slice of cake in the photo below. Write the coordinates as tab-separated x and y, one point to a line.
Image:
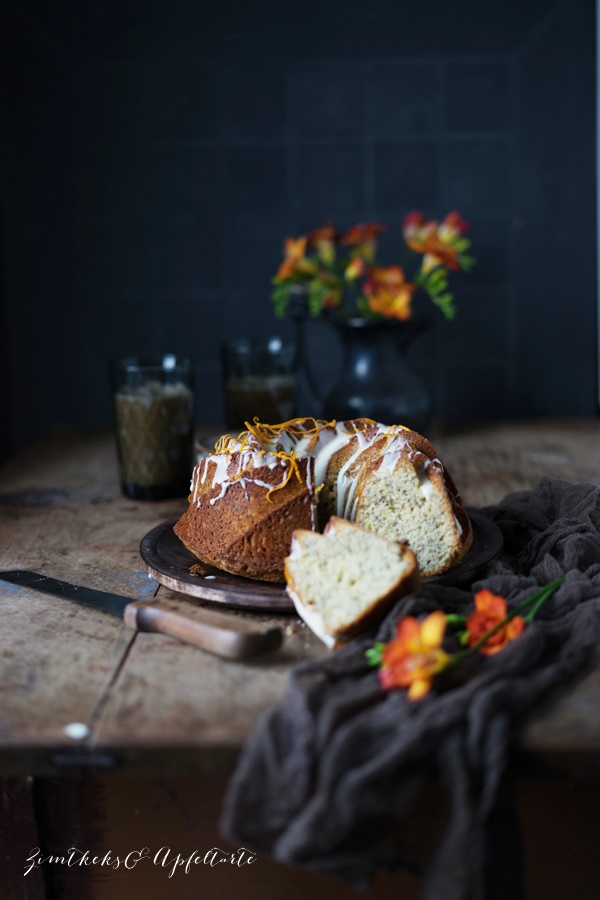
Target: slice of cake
401	500
347	579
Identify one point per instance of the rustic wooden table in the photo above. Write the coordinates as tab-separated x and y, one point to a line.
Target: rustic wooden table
155	708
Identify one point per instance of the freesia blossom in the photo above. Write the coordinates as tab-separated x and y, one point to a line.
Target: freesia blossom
363	239
355	269
453	226
388	292
490	610
414	656
294	258
323	240
440	244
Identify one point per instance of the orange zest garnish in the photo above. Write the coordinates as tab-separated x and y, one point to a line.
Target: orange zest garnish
292	470
295	427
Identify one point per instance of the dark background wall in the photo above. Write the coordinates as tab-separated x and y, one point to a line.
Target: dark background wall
154	155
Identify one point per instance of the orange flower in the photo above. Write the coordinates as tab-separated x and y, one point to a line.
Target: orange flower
323	233
489	611
389	293
437	243
414	656
363	239
355	269
295	259
453	225
323	240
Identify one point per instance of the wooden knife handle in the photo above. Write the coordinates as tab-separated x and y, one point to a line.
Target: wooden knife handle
229	637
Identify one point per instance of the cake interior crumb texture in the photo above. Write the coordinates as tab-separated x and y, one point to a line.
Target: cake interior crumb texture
409	505
344	572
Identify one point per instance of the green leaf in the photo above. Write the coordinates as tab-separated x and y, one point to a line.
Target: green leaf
282	291
466	262
281	297
436	275
462	244
436	290
445	302
317	292
374	654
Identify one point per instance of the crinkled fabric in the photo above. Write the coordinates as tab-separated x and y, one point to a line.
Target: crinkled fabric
344	778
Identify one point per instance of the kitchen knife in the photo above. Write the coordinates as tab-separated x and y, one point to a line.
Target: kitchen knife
232	638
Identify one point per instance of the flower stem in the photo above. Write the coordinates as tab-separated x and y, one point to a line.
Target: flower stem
538	599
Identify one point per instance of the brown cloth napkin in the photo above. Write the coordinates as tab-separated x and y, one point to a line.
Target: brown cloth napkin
338	776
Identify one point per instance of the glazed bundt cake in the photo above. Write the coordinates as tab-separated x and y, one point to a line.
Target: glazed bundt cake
249	496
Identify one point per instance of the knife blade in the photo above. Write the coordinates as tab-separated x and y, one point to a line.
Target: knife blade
214	632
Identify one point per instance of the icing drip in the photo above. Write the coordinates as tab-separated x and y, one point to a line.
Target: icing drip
345	483
425	484
295	549
348	479
337	440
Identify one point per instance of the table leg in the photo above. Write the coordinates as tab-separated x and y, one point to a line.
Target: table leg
18	839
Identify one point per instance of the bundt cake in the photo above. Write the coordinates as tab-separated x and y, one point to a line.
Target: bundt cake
347	579
249	496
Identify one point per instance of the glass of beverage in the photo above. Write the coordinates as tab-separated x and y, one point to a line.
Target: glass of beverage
154	422
259	379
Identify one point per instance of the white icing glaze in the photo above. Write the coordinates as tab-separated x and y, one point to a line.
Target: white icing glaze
325	451
436	463
295	549
425	484
235	462
345	483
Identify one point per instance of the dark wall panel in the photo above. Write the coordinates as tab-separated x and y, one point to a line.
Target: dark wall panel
157	155
556	241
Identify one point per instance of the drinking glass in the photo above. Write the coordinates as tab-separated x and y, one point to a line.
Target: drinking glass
259	380
153	406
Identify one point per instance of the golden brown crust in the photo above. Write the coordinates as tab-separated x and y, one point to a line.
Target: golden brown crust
250	534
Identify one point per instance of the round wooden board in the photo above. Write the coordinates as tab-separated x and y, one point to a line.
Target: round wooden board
167	560
487	544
